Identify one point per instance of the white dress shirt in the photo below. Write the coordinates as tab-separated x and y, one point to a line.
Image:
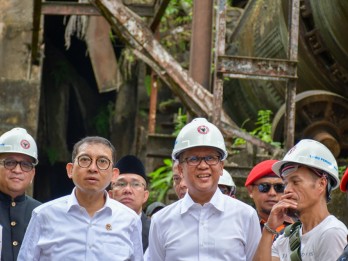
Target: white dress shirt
62	230
223	229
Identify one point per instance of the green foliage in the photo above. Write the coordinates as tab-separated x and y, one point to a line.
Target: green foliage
263	129
147	82
180	121
102	120
52	155
161	181
341	170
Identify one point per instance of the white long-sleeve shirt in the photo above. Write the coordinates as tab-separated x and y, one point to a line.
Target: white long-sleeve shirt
62	230
223	229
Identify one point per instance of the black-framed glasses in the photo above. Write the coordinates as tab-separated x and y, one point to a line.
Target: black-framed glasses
86	161
266	187
11	164
119	185
195	160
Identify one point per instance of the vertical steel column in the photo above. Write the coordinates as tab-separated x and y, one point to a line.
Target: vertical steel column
290	109
220	28
201	42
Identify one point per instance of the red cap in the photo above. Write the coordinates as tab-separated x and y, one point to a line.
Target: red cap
260	170
344	180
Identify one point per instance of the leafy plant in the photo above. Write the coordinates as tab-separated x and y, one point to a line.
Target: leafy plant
180	121
161	181
263	129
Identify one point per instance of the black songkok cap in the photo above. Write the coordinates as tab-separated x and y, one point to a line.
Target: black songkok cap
130	164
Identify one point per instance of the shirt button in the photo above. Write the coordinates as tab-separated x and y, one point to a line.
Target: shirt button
15	243
13	204
13	223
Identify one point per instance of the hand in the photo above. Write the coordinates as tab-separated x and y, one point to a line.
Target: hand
282	210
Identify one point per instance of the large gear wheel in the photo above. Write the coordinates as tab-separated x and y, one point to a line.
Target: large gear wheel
320	115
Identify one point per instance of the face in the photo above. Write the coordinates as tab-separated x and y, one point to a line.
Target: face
14	182
92	180
133	196
304	187
202	179
178	182
264	201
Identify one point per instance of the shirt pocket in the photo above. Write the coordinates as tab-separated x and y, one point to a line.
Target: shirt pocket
117	252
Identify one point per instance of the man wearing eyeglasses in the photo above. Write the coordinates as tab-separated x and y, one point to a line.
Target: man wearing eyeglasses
205	224
87	224
179	183
266	188
130	188
310	173
18	158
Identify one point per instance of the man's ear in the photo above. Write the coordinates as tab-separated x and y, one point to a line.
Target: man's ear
250	190
69	168
115	173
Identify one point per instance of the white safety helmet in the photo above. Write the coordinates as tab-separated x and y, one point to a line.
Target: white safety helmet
199	132
19	141
226	179
313	154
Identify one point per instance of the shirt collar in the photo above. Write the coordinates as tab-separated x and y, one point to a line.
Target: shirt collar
73	202
217	201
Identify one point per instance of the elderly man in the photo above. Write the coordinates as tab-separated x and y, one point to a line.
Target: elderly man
265	188
205	224
310	172
87	224
130	188
179	184
18	158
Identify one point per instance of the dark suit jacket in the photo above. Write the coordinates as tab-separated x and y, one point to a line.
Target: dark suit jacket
14	219
145	221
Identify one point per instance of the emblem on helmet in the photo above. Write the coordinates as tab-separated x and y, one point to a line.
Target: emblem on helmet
203	129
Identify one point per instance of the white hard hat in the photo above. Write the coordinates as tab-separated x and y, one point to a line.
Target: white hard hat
19	141
313	154
199	132
226	179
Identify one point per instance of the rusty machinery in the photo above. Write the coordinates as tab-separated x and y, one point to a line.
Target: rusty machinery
322	88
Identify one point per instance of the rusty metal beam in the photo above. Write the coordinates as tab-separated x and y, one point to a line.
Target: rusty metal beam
73	8
257	68
197	99
159	12
290	108
200	54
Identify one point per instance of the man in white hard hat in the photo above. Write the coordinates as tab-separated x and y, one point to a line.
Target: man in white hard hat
227	185
205	224
18	158
310	172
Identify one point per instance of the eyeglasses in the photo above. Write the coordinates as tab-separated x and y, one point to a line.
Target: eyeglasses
195	160
266	187
137	185
11	164
85	161
227	191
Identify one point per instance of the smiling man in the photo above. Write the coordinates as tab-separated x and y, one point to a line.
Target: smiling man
205	224
130	188
18	158
86	225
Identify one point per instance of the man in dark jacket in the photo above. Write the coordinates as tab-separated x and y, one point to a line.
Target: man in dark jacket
18	158
130	188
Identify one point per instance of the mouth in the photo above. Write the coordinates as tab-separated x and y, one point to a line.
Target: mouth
92	180
204	176
126	200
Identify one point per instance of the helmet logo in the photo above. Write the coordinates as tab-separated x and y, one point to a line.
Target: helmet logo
203	129
25	144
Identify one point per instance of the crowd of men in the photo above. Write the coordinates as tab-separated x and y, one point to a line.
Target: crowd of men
105	217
